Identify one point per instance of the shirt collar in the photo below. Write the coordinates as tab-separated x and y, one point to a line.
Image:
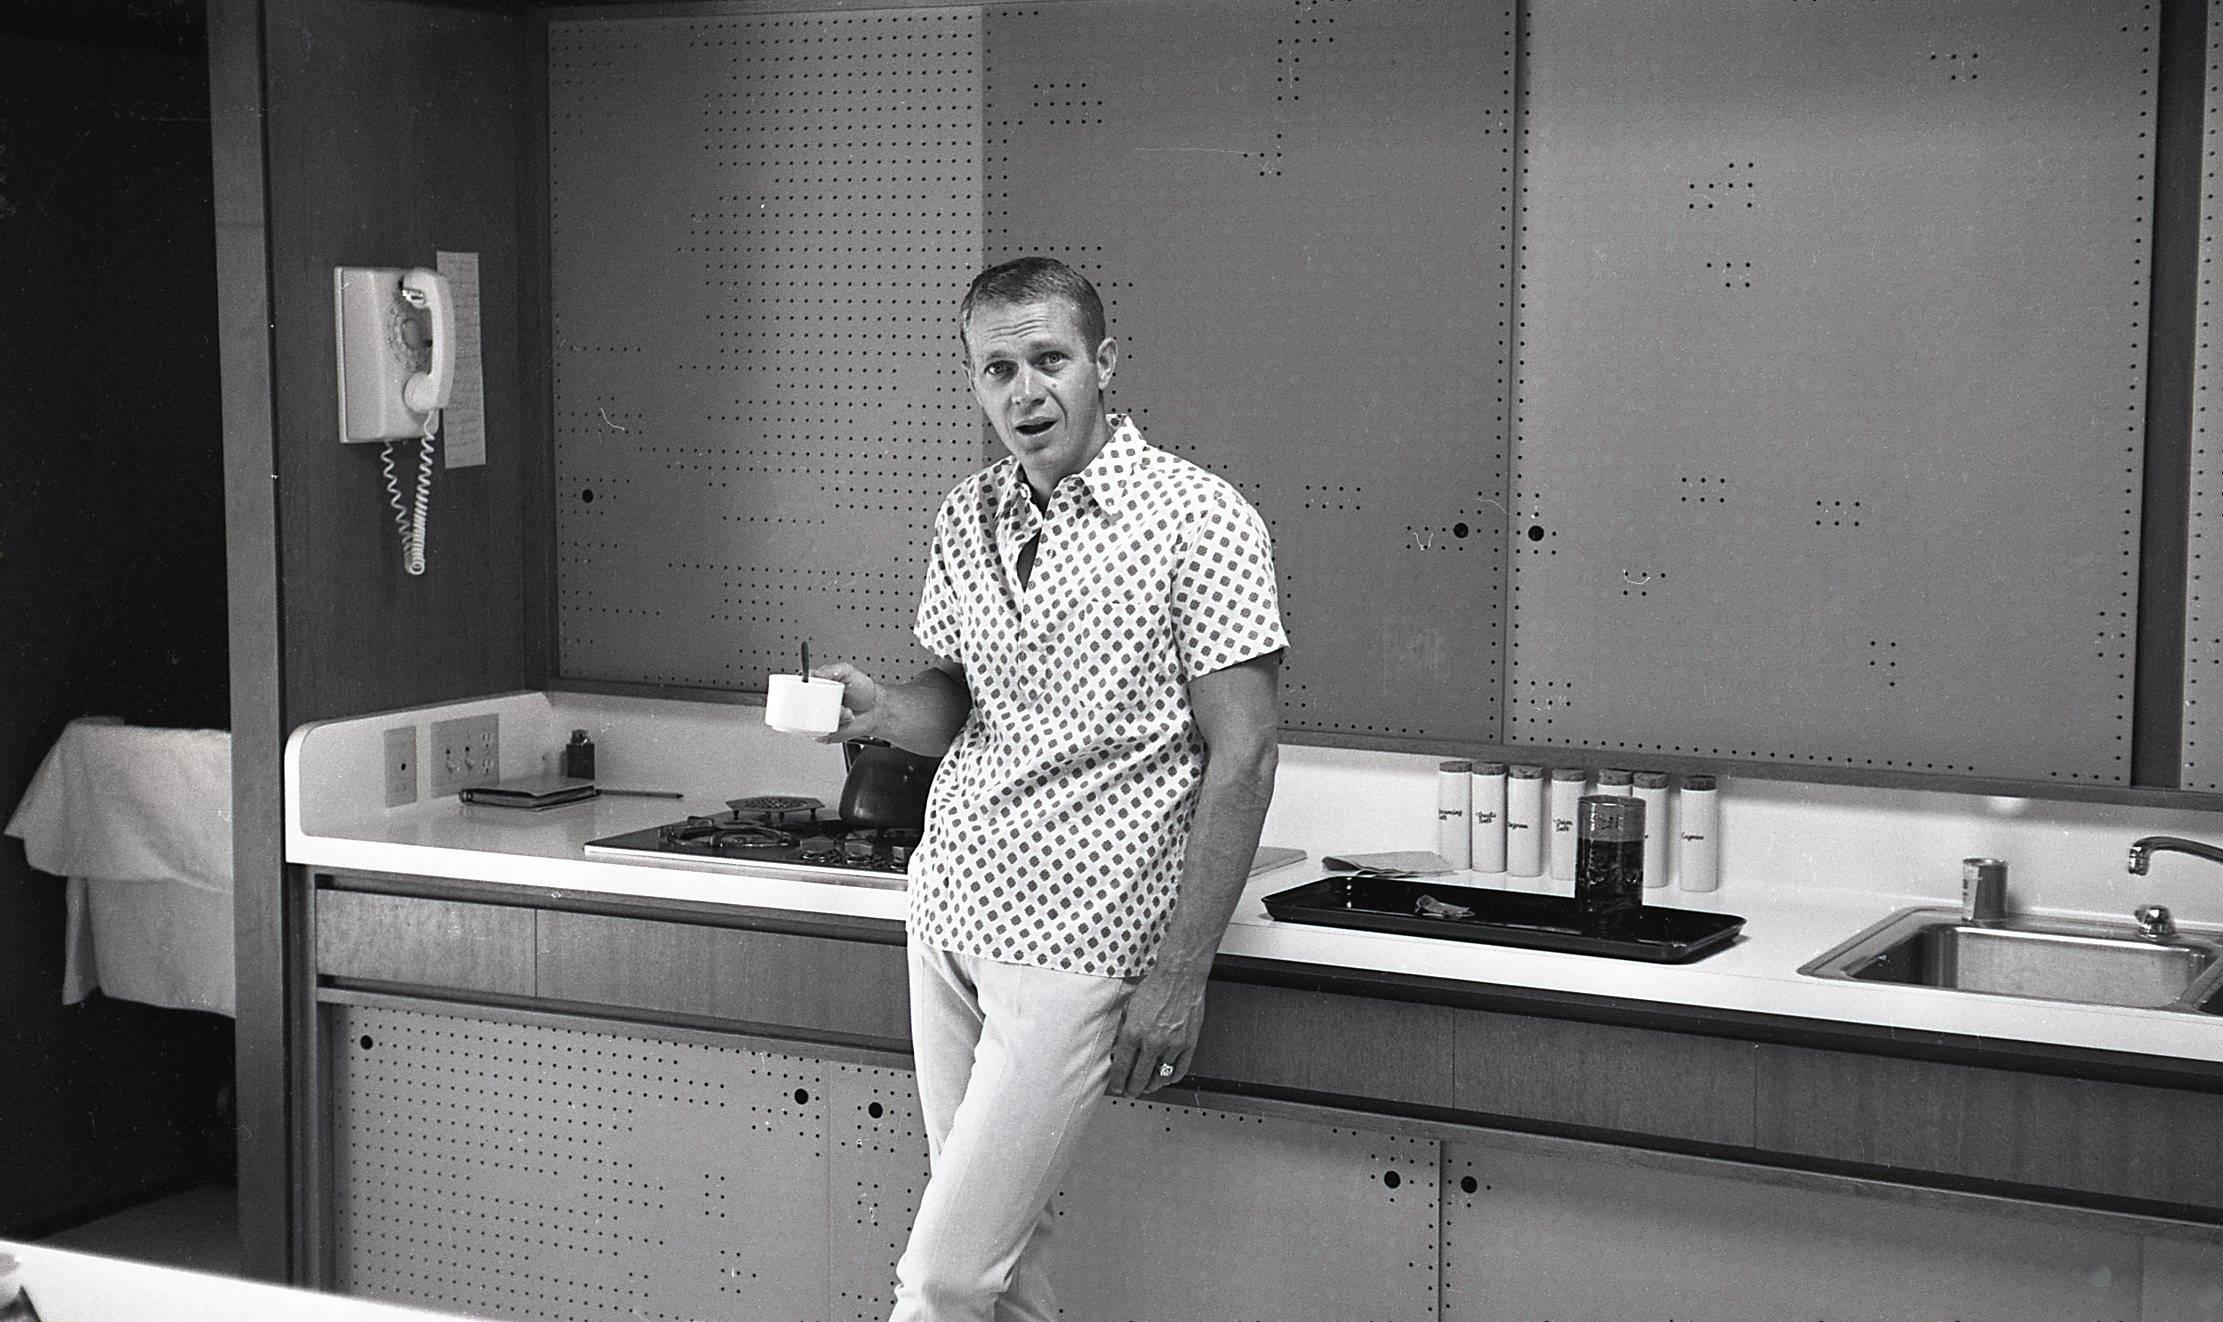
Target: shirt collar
1106	479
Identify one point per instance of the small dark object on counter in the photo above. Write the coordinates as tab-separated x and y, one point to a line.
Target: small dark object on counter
578	756
1428	906
533	794
1509	918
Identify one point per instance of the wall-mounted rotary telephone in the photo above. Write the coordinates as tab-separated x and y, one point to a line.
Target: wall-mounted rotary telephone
396	335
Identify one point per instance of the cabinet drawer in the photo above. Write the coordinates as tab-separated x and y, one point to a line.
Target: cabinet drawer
424	942
806	983
2121	1140
1342	1046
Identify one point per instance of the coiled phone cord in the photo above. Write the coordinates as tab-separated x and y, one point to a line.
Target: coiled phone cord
411	523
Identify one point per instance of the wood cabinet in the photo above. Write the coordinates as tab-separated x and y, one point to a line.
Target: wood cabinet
724	1111
795	985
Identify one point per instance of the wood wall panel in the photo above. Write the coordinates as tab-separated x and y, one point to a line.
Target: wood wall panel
1601	1076
432	943
853	988
2154	1144
1322	1043
393	132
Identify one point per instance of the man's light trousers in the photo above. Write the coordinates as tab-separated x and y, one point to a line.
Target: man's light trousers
1012	1062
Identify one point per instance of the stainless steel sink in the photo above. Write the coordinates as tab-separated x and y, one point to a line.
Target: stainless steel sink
2050	960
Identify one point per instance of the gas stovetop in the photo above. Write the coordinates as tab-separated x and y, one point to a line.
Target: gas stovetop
784	833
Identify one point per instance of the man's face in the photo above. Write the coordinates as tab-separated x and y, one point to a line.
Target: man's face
1041	384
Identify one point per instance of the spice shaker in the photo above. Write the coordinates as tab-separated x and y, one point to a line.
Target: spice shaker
1524	821
1697	835
1651	791
1613	780
1486	804
1454	799
1566	791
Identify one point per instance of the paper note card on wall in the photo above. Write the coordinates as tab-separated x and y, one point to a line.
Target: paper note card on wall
463	423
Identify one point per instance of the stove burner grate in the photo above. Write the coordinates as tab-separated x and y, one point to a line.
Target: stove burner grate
775	807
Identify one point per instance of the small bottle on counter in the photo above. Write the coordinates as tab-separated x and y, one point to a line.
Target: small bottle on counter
1613	780
1698	835
1454	800
1486	802
1651	791
1609	863
578	756
1524	821
15	1303
1567	785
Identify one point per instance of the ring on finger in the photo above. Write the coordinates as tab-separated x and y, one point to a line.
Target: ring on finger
1165	1069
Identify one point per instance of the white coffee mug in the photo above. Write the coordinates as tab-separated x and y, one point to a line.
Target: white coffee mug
797	704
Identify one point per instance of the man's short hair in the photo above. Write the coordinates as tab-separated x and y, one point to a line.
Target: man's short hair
1031	280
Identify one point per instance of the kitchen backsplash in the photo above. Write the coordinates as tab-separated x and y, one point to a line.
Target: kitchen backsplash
1905	844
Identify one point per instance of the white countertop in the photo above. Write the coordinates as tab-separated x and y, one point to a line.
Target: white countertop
1786	924
82	1287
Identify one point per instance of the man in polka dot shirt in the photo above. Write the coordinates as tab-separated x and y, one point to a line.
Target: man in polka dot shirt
1107	640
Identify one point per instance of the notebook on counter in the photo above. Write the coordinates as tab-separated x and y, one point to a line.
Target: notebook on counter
532	793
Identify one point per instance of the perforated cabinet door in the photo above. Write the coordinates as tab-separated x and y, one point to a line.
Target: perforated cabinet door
1830	415
515	1169
1299	216
760	227
2202	749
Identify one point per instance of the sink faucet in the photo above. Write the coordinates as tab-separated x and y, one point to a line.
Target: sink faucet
2142	850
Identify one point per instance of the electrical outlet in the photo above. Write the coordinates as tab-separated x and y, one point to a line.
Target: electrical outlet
465	751
401	765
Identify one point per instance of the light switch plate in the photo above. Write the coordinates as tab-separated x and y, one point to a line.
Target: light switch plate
401	765
465	751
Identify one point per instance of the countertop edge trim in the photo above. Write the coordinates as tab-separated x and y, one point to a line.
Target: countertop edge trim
2012	1054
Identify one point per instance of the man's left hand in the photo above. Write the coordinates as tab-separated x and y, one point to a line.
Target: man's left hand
1164	1015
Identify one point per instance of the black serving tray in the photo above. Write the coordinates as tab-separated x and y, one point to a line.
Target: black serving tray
1506	918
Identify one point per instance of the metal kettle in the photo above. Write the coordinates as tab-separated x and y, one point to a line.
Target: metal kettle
886	787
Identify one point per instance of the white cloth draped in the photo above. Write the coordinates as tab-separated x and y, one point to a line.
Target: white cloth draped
140	822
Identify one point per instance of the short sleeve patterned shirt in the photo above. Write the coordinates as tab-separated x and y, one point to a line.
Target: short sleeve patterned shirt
1060	816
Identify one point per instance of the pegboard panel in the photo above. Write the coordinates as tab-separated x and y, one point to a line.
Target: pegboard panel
760	228
1172	1214
1831	366
1532	1236
520	1170
879	1171
1299	215
2202	747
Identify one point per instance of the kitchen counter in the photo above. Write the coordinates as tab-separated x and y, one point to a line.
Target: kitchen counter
84	1287
1789	920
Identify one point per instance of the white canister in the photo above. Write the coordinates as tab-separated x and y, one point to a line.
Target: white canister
1614	781
1698	834
1454	799
1486	809
1651	791
1524	821
1567	786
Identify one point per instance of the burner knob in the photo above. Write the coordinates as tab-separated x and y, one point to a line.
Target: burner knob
856	851
900	855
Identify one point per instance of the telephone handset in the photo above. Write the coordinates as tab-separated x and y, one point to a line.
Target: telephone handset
396	342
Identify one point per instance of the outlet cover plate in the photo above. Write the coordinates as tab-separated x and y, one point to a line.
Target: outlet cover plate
401	765
465	751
